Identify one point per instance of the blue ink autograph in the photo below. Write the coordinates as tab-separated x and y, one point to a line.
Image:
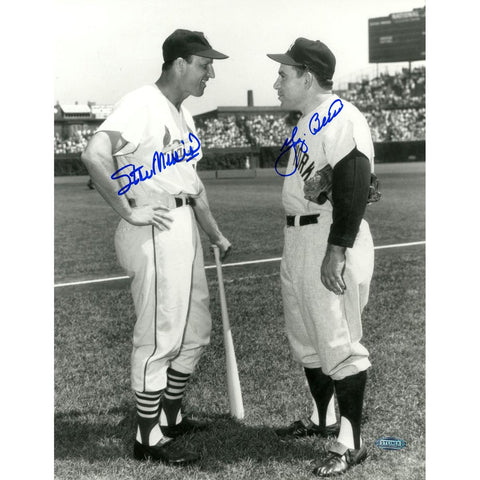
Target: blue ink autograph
287	145
160	162
314	125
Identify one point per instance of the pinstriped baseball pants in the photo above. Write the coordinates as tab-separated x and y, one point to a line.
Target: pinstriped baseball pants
324	330
171	298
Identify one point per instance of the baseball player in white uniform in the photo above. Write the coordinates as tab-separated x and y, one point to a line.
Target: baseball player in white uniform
327	262
142	160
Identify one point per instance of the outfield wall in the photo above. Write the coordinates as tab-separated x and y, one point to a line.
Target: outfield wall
381	169
385	152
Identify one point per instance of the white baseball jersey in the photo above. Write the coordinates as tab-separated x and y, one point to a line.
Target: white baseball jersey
326	144
157	134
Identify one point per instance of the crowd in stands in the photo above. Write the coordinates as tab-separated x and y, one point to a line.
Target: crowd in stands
394	106
403	90
397	125
267	130
76	143
221	133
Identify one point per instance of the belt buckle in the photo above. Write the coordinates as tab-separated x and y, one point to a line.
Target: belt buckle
290	220
184	201
301	220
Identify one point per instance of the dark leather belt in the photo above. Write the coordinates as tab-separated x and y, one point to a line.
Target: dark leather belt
303	220
181	201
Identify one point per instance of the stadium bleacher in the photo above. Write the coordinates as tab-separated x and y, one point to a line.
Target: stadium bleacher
76	143
394	106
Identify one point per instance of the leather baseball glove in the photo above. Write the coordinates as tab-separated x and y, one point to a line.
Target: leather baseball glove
318	189
374	193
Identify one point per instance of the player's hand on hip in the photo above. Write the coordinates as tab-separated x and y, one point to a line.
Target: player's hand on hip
333	266
151	215
224	246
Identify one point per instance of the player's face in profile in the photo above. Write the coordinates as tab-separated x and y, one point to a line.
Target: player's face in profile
197	74
289	87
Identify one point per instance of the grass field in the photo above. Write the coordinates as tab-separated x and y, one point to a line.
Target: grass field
94	409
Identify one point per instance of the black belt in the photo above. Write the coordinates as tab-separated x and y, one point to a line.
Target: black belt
303	219
179	201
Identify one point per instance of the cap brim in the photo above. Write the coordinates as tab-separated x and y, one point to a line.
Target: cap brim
211	53
284	58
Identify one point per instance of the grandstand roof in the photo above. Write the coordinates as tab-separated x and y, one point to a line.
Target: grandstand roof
221	111
101	111
250	109
77	108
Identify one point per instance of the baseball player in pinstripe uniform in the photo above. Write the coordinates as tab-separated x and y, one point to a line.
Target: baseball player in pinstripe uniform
327	262
142	160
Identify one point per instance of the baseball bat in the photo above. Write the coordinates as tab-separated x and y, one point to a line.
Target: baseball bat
233	380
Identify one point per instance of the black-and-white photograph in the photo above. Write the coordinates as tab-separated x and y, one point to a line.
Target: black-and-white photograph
239	239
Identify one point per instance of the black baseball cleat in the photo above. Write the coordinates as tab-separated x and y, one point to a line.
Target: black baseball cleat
187	425
168	452
339	460
306	428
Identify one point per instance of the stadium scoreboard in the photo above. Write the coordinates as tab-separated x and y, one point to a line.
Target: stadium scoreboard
400	37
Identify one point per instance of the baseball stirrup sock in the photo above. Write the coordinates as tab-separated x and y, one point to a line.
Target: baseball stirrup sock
171	409
330	417
148	431
321	387
350	391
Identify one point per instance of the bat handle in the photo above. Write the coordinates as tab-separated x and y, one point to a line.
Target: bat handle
218	263
221	289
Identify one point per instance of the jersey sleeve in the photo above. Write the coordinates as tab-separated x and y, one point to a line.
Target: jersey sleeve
339	140
349	133
129	117
350	185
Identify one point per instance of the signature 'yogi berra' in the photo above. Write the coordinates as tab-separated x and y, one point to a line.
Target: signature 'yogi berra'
327	261
157	240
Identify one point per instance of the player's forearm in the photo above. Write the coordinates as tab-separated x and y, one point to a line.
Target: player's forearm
100	166
205	218
336	250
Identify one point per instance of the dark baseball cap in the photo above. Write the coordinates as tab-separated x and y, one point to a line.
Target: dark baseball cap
309	53
182	43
